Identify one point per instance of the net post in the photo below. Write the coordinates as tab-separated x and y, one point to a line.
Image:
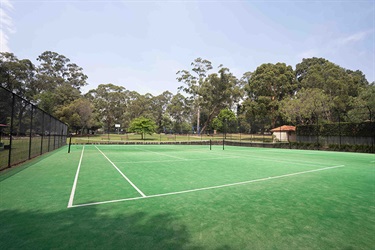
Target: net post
70	143
210	144
223	144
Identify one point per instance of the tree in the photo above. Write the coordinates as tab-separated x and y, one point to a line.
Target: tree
267	86
159	105
137	105
225	117
142	125
17	75
364	105
110	102
307	106
193	83
78	115
180	113
58	81
219	91
340	85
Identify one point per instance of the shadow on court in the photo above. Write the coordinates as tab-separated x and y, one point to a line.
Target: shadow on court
90	228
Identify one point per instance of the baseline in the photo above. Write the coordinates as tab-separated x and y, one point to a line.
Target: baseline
213	187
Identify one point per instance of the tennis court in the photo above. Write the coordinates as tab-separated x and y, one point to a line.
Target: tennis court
190	197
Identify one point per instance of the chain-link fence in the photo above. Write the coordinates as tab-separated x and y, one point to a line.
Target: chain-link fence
25	130
351	131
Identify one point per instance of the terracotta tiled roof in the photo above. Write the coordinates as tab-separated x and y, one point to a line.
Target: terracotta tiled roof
284	128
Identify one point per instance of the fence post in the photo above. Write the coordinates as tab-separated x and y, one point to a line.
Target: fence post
54	134
41	143
70	143
31	129
49	133
317	131
11	130
339	130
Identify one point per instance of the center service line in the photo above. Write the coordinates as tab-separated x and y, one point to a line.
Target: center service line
126	178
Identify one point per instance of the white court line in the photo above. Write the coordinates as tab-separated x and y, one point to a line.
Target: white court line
70	203
208	188
274	160
205	159
162	154
126	178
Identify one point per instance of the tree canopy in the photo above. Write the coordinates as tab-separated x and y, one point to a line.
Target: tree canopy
142	126
271	95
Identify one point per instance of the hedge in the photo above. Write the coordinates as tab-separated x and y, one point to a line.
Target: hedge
364	129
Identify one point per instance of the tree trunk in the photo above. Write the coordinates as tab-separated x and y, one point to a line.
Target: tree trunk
209	119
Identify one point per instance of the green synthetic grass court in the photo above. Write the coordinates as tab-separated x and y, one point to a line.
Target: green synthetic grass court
189	197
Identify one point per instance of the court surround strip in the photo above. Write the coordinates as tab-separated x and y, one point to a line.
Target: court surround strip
208	188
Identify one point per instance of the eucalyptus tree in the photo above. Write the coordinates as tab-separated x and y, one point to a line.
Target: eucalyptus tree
159	105
307	106
139	105
266	88
79	115
58	81
17	75
110	102
179	110
220	90
364	105
193	82
340	85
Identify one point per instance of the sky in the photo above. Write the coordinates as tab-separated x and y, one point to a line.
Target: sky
140	45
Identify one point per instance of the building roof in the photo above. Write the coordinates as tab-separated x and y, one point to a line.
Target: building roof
284	128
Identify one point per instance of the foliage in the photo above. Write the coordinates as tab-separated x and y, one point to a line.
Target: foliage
159	106
57	81
193	83
266	88
318	91
209	93
109	102
364	105
224	120
78	115
306	106
340	85
365	129
142	125
220	91
17	75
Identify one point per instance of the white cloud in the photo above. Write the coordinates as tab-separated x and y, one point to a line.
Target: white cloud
359	36
6	25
